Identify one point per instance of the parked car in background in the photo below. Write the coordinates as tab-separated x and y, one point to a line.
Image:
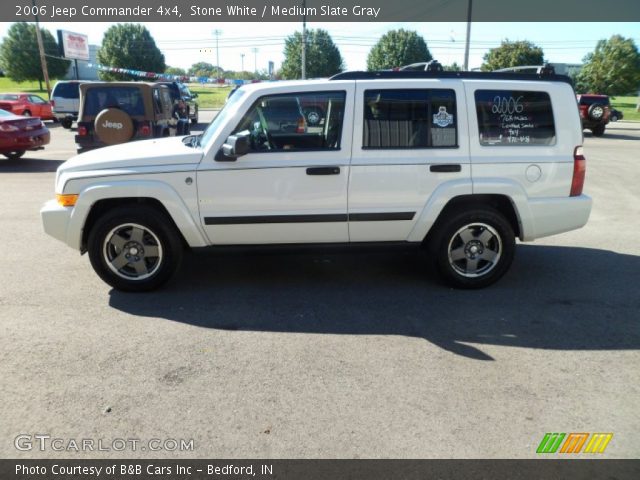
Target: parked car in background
26	104
19	134
65	100
615	115
595	111
118	112
181	91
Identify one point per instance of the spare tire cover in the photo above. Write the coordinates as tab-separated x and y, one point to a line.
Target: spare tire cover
113	126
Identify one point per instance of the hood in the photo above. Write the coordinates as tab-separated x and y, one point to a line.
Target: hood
143	153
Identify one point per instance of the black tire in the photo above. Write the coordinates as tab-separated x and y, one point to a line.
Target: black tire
613	117
66	123
14	155
485	230
596	112
117	227
194	120
313	116
598	131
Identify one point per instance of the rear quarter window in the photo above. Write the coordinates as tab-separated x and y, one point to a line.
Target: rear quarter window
66	90
514	118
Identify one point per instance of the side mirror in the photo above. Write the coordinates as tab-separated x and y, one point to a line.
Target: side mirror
236	146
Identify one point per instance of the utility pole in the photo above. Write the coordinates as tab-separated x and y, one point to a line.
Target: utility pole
466	45
255	59
43	59
217	33
304	40
242	60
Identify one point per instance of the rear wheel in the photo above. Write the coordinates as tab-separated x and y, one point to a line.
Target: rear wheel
14	155
598	131
66	123
473	248
134	249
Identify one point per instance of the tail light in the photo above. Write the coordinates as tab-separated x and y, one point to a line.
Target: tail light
579	169
144	129
301	128
82	131
7	127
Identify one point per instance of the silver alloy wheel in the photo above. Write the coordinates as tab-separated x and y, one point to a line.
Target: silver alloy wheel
474	250
132	252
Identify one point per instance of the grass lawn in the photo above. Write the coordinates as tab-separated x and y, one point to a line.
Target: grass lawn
8	85
627	105
209	96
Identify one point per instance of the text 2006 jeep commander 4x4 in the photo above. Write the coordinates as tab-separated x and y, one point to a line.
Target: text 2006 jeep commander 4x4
460	163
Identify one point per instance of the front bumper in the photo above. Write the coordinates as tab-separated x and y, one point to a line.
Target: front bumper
55	220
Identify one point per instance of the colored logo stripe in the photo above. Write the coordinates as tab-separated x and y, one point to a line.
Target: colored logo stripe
550	443
598	442
574	443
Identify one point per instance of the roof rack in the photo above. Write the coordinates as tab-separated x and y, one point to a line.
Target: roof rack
409	74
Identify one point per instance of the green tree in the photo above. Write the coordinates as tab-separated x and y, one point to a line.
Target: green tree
397	48
203	69
454	67
512	54
19	54
175	71
613	68
129	45
323	58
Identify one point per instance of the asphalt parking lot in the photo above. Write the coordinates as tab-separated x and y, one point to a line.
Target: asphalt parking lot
326	355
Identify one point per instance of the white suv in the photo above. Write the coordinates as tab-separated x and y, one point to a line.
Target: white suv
460	163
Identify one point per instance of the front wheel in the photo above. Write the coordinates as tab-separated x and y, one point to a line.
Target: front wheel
135	249
473	248
66	122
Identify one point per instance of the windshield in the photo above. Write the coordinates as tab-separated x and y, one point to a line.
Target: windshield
221	117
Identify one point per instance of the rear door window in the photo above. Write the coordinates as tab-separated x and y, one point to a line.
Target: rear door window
514	118
409	118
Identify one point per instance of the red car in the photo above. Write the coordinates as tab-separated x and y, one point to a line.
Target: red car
19	134
26	104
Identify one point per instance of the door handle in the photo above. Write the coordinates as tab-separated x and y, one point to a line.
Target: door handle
323	171
447	168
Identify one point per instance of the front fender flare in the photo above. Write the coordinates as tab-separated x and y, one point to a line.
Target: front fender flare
159	191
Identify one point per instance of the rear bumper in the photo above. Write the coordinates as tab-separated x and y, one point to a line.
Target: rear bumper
63	115
55	220
33	140
550	216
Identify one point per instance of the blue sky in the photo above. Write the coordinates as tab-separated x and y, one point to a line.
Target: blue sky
186	43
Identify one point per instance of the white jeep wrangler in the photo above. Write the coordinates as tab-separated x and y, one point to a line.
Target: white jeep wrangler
460	163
